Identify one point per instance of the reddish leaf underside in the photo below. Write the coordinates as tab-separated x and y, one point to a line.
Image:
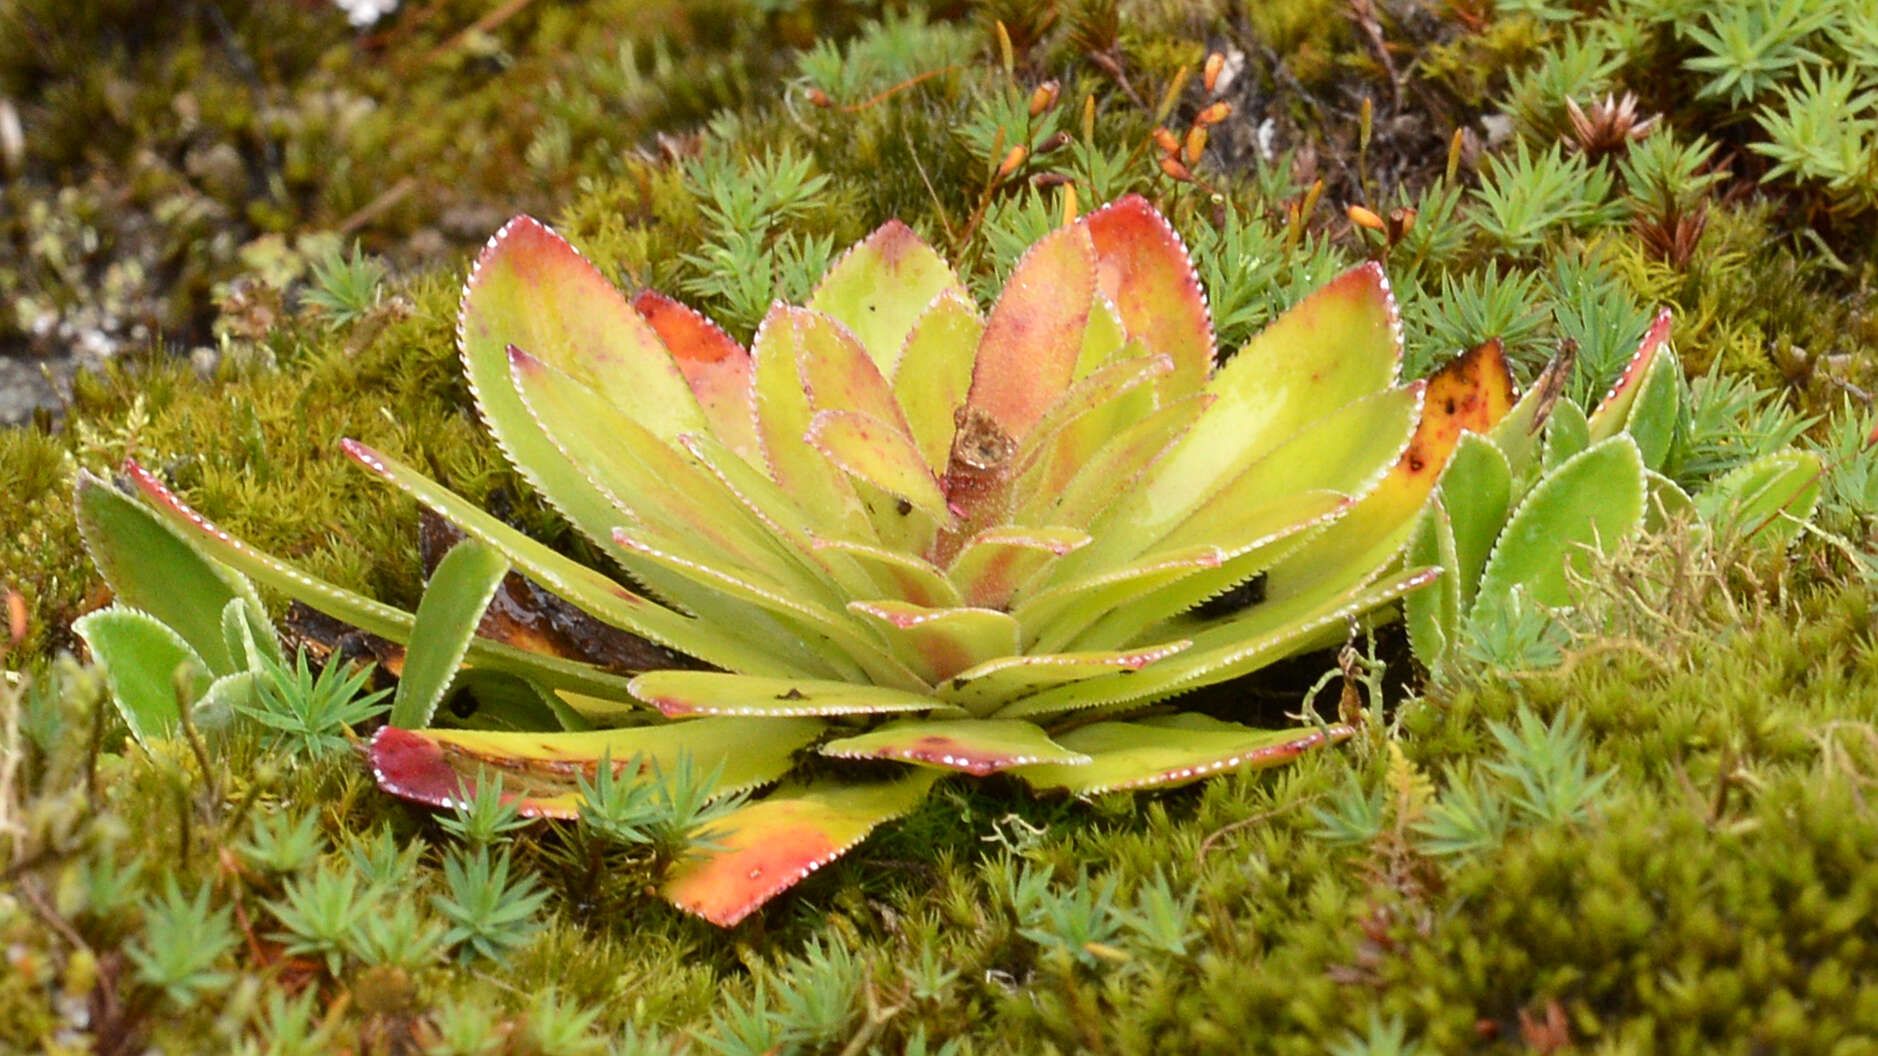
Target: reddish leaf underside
1142	267
770	845
715	366
1624	390
540	770
1033	337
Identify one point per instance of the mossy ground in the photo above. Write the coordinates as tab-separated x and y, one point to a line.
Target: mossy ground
1711	892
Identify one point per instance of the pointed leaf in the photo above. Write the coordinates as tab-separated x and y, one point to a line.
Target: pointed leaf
880	454
715	366
935	372
683	693
1656	412
1034	336
539	770
372	617
1566	435
1174	750
939	643
1251	639
1615	410
447	617
1094	409
902	576
881	286
1260	539
1102	340
532	290
1477	493
1115	468
1337	345
248	636
585	587
782	420
1593	499
1053	617
1519	434
864	653
1142	266
997	560
1348	451
775	842
1471	394
649	482
1433	615
142	660
771	507
988	687
973	746
1767	498
150	566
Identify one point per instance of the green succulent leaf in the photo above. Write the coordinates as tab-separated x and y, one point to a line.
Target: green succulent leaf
1116	467
939	643
874	451
882	287
1618	408
1081	422
248	636
1655	415
150	566
147	666
592	591
447	617
1477	492
1339	344
1666	503
991	565
1170	750
935	372
540	771
647	483
715	366
1767	499
1566	435
1591	500
1433	616
783	414
1520	434
368	615
1222	649
531	290
983	688
973	746
684	693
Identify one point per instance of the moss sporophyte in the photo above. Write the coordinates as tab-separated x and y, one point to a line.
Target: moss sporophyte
894	535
